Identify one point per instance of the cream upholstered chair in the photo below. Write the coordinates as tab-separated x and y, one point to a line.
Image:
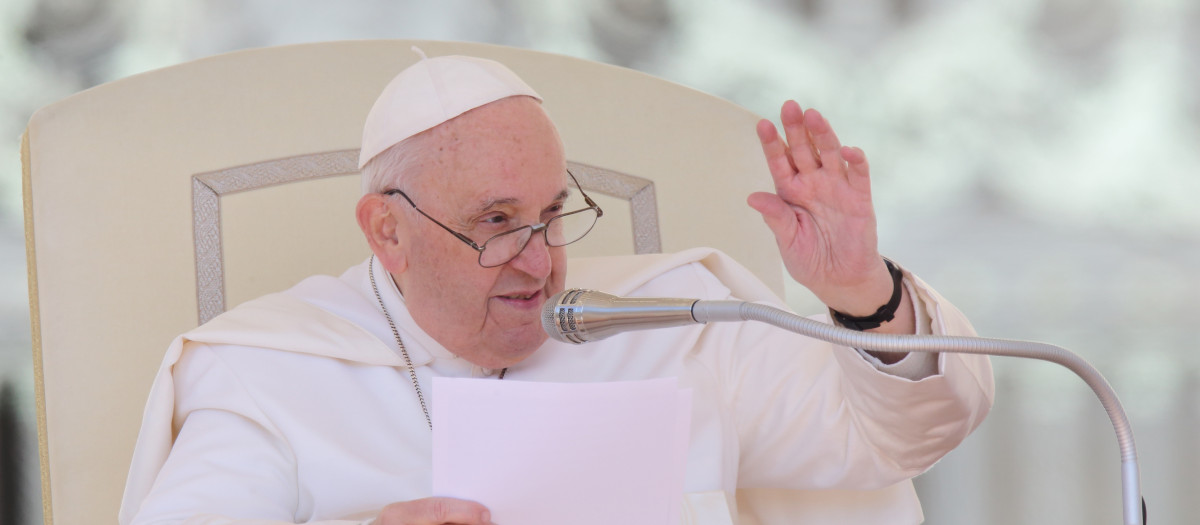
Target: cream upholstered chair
155	202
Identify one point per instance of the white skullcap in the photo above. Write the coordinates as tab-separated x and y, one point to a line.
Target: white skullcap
431	92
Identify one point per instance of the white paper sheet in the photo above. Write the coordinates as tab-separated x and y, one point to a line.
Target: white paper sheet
554	453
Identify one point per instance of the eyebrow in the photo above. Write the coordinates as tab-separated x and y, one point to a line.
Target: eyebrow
492	203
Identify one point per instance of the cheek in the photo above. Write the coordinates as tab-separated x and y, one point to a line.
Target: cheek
457	278
435	252
558	269
443	273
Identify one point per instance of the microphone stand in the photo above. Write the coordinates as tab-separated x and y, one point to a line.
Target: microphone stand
1134	506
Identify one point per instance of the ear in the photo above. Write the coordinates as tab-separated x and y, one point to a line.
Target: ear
384	231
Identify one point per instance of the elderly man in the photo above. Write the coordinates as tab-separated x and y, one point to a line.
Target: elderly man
311	405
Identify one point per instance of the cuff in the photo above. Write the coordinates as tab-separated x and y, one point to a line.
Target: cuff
916	365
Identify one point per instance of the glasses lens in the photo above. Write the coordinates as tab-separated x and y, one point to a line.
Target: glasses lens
570	227
502	248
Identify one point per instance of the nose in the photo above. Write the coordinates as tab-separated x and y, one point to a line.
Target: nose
534	259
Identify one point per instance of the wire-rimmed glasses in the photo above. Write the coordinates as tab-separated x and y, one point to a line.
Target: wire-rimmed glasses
499	249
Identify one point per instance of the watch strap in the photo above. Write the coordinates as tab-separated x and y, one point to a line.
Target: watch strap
885	313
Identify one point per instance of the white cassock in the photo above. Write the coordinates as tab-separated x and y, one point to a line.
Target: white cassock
297	406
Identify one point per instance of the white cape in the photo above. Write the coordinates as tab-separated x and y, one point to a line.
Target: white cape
312	319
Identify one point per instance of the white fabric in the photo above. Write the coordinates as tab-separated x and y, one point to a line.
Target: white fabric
431	92
915	365
296	407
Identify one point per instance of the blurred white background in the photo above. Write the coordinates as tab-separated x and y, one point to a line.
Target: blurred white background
1035	160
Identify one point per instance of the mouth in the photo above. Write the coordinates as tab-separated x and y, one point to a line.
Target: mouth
522	298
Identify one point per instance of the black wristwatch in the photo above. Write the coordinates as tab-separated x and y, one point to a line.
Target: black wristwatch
884	314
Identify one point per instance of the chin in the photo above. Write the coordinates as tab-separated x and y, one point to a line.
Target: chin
522	347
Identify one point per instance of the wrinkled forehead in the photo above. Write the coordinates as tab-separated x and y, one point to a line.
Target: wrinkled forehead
517	123
531	198
507	143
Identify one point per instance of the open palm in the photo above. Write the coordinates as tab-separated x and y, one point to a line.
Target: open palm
821	211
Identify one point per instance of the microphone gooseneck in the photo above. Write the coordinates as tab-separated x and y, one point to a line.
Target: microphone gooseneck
579	316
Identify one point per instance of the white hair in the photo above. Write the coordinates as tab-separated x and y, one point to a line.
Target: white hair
389	168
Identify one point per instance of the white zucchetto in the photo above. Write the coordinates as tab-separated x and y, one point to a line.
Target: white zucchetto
431	92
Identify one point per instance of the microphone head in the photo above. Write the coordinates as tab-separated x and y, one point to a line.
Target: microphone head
562	314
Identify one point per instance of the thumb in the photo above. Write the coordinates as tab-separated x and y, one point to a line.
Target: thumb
779	215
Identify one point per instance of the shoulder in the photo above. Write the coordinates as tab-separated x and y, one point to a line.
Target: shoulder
321	316
705	273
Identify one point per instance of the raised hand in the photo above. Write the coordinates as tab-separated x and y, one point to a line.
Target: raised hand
821	213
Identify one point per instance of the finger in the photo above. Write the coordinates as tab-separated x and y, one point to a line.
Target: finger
435	511
804	154
858	171
775	152
824	139
778	214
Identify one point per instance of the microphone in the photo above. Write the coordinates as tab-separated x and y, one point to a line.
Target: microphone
578	316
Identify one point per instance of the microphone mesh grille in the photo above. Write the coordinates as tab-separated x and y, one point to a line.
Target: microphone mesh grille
558	315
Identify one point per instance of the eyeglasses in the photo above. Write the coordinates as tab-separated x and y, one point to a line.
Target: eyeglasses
499	249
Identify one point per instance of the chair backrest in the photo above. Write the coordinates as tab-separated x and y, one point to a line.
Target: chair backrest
157	201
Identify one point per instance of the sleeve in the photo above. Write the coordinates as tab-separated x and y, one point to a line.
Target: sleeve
227	458
812	415
915	365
